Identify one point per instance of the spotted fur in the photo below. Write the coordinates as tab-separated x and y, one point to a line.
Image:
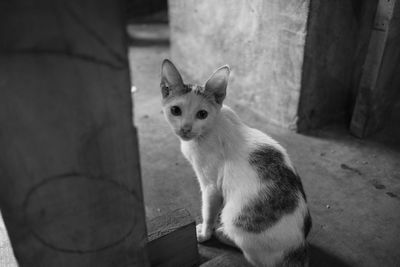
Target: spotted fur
279	193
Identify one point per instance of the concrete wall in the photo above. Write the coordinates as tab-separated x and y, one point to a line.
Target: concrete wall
297	63
262	41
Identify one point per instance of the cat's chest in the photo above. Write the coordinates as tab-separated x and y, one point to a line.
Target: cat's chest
204	154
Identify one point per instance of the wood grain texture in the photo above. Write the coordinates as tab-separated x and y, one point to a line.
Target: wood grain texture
379	81
70	188
333	32
227	260
172	240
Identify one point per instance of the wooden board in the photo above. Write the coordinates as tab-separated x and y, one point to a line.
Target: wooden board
227	260
172	240
70	188
378	84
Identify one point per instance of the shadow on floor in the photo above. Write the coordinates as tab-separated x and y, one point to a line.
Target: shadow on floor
213	248
318	256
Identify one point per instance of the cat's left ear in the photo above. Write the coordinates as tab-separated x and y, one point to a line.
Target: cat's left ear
171	80
217	83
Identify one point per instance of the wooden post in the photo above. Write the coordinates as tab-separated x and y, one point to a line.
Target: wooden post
70	188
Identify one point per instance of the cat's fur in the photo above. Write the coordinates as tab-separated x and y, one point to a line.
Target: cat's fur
244	174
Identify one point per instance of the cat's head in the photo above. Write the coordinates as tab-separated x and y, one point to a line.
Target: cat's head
191	109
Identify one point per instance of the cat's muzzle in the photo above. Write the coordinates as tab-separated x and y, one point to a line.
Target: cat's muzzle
186	134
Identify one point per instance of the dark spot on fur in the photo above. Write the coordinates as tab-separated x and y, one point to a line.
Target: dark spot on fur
270	165
297	257
267	209
174	90
212	98
200	92
186	89
278	196
307	224
168	91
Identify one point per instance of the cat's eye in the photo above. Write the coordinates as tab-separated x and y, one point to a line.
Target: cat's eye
202	114
176	111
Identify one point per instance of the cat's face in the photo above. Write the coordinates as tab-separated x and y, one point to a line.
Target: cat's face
191	110
190	115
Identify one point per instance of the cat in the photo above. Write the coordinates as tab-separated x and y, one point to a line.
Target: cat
247	180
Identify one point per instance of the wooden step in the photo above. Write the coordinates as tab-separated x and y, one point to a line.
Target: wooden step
227	260
172	240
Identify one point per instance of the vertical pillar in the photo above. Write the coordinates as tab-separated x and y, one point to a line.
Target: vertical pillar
70	188
379	83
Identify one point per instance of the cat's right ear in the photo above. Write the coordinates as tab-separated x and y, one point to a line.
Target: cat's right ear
170	78
217	83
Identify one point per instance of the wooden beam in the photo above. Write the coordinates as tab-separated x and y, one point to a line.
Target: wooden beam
227	260
172	240
377	89
70	188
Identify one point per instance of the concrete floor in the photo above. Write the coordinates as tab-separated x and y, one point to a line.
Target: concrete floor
353	185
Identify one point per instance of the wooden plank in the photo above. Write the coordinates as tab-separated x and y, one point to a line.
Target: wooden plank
172	240
331	38
227	260
376	87
70	188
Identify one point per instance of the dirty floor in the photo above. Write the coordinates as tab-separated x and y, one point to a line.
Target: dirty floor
353	186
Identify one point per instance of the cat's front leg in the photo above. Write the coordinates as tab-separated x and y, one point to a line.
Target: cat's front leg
211	206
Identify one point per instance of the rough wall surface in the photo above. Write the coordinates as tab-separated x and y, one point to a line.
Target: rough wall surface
262	41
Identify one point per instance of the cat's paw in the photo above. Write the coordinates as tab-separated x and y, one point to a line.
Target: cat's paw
203	233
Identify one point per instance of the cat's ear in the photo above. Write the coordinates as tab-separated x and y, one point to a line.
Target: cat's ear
170	78
217	83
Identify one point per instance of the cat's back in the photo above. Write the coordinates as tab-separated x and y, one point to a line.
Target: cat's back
252	138
269	204
279	190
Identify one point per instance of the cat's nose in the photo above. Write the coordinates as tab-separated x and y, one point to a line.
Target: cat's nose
186	128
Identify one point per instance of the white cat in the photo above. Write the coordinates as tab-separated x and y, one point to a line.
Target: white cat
244	175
